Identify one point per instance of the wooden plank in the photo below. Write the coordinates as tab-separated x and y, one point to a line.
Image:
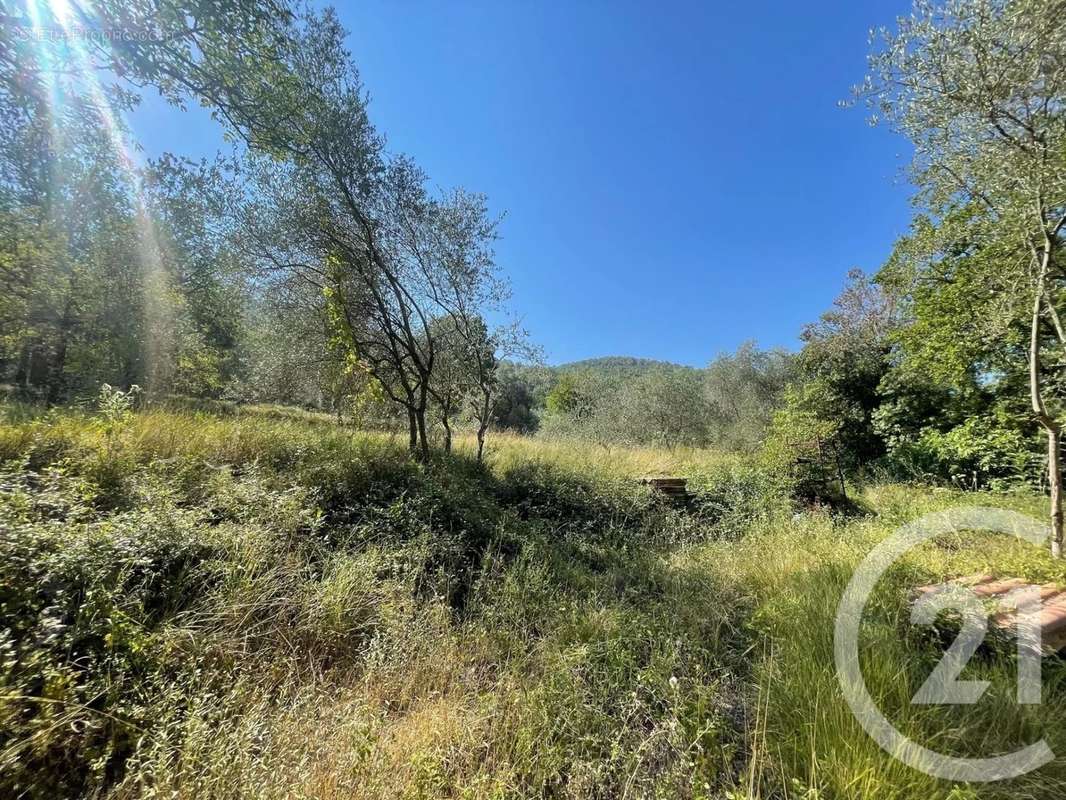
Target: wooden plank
1049	593
981	585
669	485
997	588
1052	614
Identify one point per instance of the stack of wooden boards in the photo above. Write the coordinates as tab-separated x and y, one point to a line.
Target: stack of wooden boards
669	486
1052	616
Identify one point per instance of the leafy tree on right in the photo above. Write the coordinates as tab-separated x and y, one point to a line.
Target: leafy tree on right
979	88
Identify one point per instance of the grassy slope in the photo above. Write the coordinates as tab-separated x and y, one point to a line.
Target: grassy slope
267	605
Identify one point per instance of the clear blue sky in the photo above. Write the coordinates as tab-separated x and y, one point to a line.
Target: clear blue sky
677	176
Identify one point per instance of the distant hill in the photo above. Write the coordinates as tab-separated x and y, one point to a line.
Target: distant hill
526	386
606	371
619	366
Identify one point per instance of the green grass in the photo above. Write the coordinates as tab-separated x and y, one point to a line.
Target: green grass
810	744
238	602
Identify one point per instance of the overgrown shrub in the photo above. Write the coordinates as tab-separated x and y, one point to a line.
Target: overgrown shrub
976	454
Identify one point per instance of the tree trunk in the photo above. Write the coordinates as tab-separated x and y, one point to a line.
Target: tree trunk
423	440
412	430
25	367
420	418
1054	472
1050	426
483	421
57	382
447	432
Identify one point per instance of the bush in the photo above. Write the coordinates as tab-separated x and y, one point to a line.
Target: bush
729	500
977	454
804	455
81	601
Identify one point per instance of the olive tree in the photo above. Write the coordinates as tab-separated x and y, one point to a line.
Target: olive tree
665	407
466	380
979	88
225	54
743	389
328	207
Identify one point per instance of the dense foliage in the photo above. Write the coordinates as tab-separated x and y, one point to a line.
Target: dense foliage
957	368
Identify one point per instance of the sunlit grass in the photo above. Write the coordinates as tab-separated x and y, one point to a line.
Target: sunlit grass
811	745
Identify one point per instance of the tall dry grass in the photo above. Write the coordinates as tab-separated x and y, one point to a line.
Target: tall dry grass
264	604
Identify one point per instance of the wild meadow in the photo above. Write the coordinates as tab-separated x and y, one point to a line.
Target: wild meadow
259	605
318	478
